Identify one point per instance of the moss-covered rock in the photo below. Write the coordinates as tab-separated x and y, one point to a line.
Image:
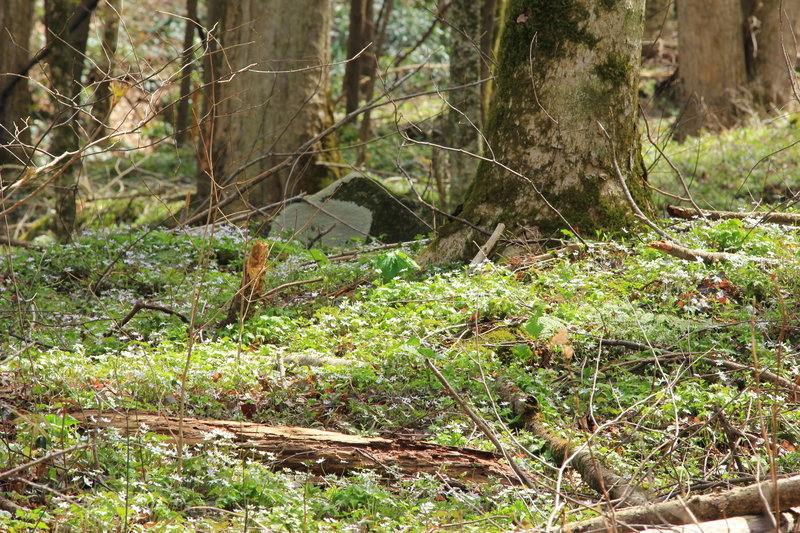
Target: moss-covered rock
353	207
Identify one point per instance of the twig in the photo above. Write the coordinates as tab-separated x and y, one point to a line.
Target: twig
48	457
287	285
482	425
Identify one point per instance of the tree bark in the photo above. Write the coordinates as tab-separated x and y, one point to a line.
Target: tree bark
357	39
261	117
774	55
464	116
16	19
318	451
766	497
656	13
561	71
66	62
182	118
712	64
109	14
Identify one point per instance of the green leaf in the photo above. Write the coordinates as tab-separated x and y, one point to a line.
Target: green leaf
522	351
319	257
534	324
391	264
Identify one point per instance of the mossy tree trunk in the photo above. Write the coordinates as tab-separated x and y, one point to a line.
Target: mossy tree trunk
563	67
66	62
261	117
16	19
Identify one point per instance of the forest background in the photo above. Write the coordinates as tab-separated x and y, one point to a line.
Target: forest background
398	265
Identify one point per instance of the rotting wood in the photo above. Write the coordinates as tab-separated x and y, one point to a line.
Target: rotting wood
741	501
314	450
598	476
739	524
243	303
790	219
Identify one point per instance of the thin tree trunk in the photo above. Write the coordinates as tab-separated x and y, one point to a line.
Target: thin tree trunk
356	41
212	64
464	116
16	18
712	64
182	118
561	74
66	61
656	13
109	14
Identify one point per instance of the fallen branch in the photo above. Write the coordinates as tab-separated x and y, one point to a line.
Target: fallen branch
50	456
8	241
790	219
486	249
598	476
692	254
139	305
764	375
313	450
782	495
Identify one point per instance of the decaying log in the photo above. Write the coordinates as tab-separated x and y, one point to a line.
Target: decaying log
789	219
314	450
781	494
739	524
598	476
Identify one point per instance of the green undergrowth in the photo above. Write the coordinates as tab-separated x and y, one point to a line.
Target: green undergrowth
622	347
739	169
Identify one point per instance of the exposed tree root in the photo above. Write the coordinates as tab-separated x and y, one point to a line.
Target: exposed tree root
594	473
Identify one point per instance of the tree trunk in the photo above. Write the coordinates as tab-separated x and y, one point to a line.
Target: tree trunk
357	39
464	116
16	18
774	55
656	14
66	61
182	118
207	189
261	117
109	13
712	64
561	71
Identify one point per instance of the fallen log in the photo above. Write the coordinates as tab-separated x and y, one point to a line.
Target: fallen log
740	524
789	219
314	450
770	495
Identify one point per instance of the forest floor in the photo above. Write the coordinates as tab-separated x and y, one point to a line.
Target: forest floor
677	373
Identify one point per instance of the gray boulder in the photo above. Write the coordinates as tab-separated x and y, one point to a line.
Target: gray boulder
353	207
